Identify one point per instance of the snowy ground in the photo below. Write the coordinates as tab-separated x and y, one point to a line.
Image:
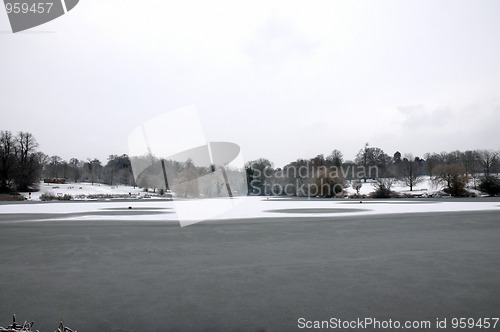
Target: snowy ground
237	208
425	188
83	189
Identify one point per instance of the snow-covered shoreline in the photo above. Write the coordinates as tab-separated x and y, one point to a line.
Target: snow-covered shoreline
83	190
89	191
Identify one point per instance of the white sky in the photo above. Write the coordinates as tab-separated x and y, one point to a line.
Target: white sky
283	79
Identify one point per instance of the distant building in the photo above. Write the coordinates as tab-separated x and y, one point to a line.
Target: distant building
55	180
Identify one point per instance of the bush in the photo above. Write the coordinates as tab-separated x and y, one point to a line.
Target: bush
490	185
382	192
356	185
454	177
50	197
456	189
383	188
395	194
11	197
357	196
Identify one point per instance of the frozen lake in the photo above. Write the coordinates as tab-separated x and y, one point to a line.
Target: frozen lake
107	268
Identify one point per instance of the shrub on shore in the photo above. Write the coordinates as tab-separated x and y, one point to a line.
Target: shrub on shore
490	185
11	197
50	197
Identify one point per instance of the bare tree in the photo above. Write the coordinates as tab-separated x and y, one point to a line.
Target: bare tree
43	159
260	172
54	166
336	158
431	161
95	168
470	159
92	170
372	157
383	187
20	164
453	176
363	157
7	159
381	160
28	167
74	163
26	146
110	168
185	183
411	171
488	159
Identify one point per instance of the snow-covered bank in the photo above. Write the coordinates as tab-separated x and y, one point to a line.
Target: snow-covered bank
425	188
84	190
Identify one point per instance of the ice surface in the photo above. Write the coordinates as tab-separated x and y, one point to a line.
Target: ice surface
247	207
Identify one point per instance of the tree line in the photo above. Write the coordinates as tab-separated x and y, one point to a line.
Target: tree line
327	175
117	170
22	166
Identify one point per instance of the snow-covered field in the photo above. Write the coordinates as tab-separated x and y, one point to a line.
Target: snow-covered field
83	189
426	188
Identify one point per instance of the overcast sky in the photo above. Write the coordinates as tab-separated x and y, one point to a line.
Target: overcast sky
283	79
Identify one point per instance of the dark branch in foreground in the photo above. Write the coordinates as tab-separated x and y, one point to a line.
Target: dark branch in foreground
26	327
